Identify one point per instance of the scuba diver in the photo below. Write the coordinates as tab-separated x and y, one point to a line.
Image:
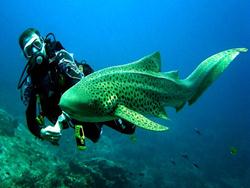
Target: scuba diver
49	72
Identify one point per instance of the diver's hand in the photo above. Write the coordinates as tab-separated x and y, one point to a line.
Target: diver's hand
52	133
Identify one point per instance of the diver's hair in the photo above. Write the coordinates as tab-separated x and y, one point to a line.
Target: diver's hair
27	34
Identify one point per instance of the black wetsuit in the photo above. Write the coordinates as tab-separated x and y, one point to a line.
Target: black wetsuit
49	80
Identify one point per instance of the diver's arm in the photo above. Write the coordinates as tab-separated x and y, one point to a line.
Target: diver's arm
31	117
50	133
68	67
26	91
53	133
28	97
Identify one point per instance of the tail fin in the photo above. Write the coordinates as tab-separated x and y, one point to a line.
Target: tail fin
209	70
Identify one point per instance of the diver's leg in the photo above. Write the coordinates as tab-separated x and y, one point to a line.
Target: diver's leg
92	131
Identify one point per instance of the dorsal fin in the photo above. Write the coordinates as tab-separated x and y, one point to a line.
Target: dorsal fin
172	74
149	63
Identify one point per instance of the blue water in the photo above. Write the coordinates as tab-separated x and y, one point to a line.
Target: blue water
107	33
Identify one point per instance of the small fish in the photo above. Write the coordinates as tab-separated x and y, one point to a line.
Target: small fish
197	131
195	165
185	156
141	174
173	162
233	150
133	138
130	173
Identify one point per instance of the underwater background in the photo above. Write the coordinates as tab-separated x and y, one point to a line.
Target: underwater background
207	144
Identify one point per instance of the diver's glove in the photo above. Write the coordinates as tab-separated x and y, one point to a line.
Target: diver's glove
53	133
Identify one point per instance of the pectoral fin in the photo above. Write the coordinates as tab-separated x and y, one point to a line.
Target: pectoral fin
138	119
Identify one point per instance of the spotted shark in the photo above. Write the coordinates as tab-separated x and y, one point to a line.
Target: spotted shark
138	90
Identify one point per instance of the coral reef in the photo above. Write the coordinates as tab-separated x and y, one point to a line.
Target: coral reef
115	161
28	162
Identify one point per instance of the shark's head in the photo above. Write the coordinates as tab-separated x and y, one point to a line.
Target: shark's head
78	103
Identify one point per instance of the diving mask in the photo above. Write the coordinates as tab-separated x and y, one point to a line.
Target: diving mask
33	46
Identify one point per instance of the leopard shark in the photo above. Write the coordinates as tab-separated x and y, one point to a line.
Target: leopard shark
139	90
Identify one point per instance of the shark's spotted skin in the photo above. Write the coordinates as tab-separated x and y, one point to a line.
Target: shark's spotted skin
132	90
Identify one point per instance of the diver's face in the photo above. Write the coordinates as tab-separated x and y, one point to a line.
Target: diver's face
33	45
